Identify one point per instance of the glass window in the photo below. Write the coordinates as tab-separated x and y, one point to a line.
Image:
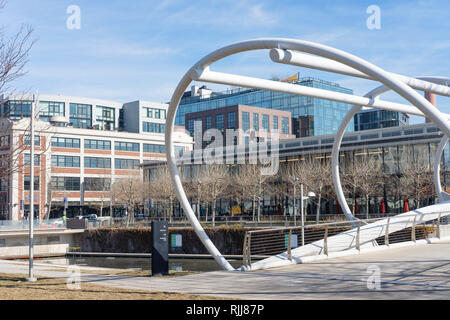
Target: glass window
16	110
275	123
81	115
27	159
126	164
105	118
65	142
97	144
285	125
66	183
65	161
97	184
153	127
154	148
26	183
126	146
37	141
256	122
94	162
208	122
48	109
219	122
265	122
231	118
245	121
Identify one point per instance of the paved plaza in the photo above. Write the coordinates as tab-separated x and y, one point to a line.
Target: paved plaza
419	272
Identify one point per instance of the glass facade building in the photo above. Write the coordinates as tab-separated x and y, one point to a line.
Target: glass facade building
323	116
377	119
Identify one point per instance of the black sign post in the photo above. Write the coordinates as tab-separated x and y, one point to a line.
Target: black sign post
160	248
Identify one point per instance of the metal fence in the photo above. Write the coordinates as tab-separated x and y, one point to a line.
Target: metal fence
220	220
274	241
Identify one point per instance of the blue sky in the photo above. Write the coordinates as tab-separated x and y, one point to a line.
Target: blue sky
128	50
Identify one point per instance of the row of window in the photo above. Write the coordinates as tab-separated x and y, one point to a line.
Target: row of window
93	162
73	184
153	127
106	145
155	113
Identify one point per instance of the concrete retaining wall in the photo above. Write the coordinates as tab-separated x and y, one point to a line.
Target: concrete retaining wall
14	244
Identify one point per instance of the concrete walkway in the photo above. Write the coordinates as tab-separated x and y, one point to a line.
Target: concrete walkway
419	272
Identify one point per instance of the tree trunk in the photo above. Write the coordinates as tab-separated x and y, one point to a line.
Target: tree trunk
318	208
214	213
253	209
367	206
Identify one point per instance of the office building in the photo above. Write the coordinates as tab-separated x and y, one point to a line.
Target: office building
82	146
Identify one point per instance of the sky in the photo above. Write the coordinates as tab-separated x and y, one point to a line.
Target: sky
140	49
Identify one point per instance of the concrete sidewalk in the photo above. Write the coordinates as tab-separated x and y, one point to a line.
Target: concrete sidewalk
419	272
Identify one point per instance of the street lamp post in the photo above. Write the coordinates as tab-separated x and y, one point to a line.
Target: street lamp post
31	214
310	194
198	198
294	181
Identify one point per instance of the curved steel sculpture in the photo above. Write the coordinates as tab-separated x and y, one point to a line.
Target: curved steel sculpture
289	51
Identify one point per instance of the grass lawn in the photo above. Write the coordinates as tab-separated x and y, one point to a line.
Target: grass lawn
15	287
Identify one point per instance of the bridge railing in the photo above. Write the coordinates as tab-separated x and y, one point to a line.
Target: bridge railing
9	225
273	241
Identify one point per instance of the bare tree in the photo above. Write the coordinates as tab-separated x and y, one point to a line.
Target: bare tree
254	185
14	54
317	178
129	192
363	176
417	181
215	180
161	189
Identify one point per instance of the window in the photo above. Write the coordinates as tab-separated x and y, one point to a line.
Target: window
275	123
153	127
37	141
105	118
48	109
80	115
155	113
265	122
231	118
126	164
284	125
97	184
93	162
65	161
66	183
256	122
154	148
245	121
219	122
3	185
27	159
208	122
65	142
97	144
16	110
190	127
126	146
26	183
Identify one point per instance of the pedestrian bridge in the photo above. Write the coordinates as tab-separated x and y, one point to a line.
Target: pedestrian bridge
320	57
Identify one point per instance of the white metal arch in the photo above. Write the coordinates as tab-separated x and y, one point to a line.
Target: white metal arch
200	71
374	94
